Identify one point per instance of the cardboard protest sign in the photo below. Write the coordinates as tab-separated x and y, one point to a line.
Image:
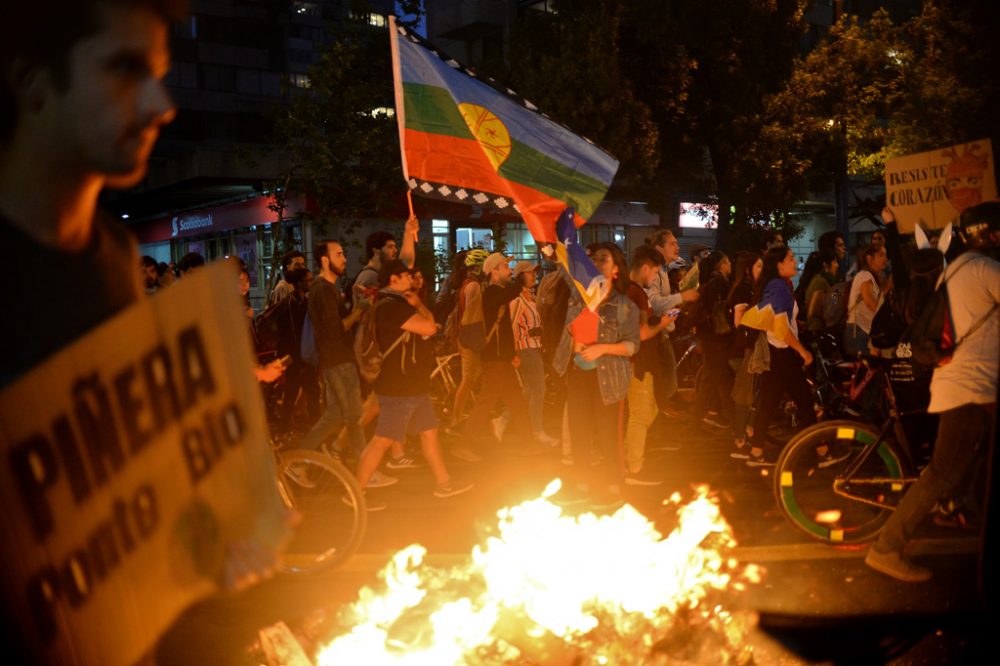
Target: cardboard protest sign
933	188
132	460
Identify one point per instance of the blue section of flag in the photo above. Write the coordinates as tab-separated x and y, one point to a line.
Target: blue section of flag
419	65
571	255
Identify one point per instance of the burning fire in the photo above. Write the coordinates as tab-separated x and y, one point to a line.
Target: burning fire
553	588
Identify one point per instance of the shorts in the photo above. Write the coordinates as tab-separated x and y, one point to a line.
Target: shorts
472	365
402	415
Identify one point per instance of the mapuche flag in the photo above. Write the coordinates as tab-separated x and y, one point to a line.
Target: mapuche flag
464	140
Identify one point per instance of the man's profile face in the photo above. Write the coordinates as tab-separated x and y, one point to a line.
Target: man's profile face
389	251
109	117
670	249
337	258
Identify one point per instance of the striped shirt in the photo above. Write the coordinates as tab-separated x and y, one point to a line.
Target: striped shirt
523	318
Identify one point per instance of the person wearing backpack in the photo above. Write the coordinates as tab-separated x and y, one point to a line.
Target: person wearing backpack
338	370
499	362
963	387
403	326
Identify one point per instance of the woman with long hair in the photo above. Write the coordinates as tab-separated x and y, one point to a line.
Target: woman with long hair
714	334
774	311
594	354
864	298
817	290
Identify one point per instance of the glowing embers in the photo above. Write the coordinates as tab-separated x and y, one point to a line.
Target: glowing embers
551	588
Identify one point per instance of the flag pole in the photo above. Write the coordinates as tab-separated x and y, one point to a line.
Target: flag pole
409	201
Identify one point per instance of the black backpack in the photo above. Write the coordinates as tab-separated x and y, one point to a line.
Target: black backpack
931	337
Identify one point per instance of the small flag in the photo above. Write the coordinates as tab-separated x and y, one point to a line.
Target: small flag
464	139
589	281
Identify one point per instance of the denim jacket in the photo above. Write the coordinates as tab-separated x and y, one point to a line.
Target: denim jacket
613	372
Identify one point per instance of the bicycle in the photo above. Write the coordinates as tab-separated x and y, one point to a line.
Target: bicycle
847	496
444	383
330	507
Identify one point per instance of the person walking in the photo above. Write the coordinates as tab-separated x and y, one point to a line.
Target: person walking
500	382
774	311
527	325
594	355
963	391
403	330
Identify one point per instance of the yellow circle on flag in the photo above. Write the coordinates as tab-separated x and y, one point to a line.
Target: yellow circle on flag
489	130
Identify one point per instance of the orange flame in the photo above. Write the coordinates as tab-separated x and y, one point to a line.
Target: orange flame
610	587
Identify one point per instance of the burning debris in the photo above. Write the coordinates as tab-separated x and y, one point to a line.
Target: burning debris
551	588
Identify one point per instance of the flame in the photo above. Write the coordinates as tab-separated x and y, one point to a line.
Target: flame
554	588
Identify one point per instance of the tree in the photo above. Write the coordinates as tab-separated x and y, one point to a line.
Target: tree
675	90
873	90
339	136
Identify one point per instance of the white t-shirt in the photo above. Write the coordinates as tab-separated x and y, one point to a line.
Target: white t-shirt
858	311
971	375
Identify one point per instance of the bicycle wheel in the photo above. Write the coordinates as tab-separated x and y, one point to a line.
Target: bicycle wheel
821	501
330	506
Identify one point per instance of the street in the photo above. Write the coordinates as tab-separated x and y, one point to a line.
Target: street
803	578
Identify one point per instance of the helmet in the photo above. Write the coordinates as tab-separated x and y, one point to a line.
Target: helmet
476	257
980	225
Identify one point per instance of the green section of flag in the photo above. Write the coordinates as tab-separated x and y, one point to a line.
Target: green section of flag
537	170
432	110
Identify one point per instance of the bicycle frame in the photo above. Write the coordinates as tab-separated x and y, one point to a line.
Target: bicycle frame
902	448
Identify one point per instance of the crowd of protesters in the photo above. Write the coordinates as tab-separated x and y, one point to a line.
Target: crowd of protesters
70	125
540	368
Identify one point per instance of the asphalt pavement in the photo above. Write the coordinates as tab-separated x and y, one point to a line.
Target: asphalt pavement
807	586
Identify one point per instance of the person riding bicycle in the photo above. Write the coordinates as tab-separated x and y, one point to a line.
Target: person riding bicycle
963	391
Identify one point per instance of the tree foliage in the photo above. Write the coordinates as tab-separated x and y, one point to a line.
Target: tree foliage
675	90
873	90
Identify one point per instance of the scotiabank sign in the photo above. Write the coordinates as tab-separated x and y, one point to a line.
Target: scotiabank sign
216	219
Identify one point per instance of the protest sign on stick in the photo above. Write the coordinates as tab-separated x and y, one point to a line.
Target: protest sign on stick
133	459
933	188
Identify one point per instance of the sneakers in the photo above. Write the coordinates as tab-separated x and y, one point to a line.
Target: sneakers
546	439
451	488
741	453
758	461
641	478
403	462
896	565
466	454
380	480
716	422
499	427
370	505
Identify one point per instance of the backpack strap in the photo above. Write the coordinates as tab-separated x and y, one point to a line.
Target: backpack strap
496	323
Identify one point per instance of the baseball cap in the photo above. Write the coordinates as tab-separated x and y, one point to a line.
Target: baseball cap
524	266
493	261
